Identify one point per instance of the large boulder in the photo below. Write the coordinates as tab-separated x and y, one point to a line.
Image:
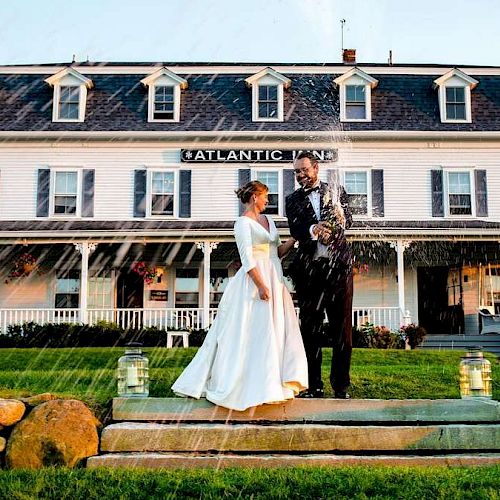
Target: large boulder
38	399
2	444
11	411
58	432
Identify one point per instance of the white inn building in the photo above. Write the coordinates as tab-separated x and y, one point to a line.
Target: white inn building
110	168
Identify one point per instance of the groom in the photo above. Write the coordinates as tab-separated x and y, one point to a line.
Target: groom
322	272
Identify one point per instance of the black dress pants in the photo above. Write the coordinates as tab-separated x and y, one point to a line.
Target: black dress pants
328	290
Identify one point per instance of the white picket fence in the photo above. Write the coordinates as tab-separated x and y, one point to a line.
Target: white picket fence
173	318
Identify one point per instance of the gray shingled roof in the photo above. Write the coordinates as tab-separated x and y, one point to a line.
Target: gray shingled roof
223	102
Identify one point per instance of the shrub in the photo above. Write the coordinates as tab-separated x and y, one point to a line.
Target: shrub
414	334
378	337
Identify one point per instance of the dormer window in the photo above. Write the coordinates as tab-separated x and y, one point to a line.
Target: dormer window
164	95
454	91
70	95
355	95
268	95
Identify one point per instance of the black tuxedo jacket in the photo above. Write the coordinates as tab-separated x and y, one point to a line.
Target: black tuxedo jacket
301	217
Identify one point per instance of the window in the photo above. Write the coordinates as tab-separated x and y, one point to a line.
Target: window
162	193
67	290
356	186
65	193
459	193
268	95
454	93
164	103
100	291
271	180
219	278
355	93
69	103
268	101
70	95
164	95
455	103
355	102
186	288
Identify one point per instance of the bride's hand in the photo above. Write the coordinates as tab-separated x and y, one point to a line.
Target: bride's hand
264	293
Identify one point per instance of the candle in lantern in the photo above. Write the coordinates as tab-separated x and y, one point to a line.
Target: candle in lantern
132	376
476	379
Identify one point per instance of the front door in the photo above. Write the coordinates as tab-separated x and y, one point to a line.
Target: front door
433	299
130	291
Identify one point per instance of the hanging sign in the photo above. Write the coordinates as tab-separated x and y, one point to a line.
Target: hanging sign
250	155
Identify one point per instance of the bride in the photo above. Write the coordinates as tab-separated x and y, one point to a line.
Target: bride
253	353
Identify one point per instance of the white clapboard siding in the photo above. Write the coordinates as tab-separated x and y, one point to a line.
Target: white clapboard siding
407	178
407	174
32	292
379	288
212	192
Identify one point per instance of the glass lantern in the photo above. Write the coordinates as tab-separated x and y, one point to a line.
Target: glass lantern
133	372
475	375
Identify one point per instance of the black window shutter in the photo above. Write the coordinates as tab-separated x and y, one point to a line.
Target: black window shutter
88	193
140	193
288	183
481	194
437	193
243	178
43	192
377	193
185	193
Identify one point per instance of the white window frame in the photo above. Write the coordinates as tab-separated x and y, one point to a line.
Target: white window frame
177	103
149	191
343	103
52	193
69	77
279	170
455	78
164	78
367	172
446	185
356	77
268	77
255	102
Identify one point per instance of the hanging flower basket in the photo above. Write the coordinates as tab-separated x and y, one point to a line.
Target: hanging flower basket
145	271
360	269
22	267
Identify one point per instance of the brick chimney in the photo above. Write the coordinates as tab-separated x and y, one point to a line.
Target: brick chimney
349	56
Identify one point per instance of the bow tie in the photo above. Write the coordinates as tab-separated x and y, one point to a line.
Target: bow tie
311	190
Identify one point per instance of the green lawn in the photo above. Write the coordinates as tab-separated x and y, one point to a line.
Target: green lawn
298	483
89	373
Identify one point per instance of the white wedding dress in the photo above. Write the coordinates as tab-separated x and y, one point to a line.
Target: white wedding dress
253	352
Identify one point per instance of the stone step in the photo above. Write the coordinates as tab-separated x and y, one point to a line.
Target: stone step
189	461
311	410
286	438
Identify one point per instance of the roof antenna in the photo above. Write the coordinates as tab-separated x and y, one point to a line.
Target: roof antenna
389	61
342	22
74	57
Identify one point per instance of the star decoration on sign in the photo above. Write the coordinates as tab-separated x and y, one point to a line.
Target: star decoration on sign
329	155
188	154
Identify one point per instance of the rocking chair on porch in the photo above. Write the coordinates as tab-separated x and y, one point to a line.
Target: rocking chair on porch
490	322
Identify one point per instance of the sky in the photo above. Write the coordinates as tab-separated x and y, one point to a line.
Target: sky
459	32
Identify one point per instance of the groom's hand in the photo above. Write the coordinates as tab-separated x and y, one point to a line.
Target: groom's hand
323	232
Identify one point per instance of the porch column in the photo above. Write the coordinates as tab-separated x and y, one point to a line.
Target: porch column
206	247
85	248
401	246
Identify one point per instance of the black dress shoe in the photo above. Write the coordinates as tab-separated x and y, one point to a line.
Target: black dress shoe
311	393
342	395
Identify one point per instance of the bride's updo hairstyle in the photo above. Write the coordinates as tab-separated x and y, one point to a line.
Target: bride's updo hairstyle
249	189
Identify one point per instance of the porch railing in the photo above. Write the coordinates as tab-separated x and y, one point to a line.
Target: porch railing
168	318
